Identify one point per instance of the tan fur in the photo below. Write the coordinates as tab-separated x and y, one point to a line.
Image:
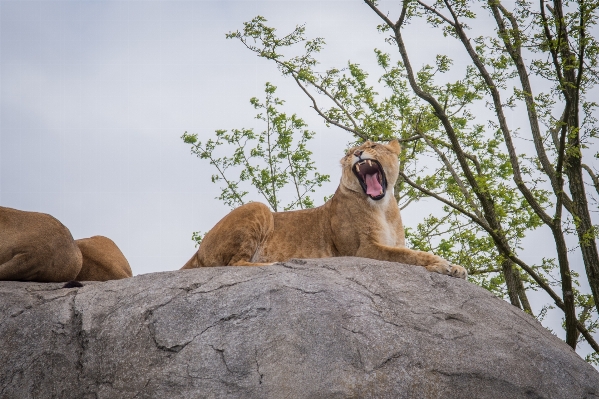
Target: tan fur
36	247
349	224
102	260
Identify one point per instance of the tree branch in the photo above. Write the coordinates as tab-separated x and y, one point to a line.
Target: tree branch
382	16
437	13
455	176
326	118
474	218
474	272
514	49
549	37
593	176
501	117
506	251
221	172
294	74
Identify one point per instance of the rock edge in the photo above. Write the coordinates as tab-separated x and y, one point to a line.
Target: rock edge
321	328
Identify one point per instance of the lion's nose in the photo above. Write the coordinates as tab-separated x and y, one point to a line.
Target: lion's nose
358	153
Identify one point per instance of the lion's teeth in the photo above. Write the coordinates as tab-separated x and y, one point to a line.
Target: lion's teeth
369	163
358	167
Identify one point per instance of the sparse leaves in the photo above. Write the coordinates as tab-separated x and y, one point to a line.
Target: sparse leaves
493	196
271	161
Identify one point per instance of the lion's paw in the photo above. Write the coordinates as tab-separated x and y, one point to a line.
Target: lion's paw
458	271
448	269
441	268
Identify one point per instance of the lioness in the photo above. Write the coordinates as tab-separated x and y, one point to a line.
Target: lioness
102	260
362	219
36	247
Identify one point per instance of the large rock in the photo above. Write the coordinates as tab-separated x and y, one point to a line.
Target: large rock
325	328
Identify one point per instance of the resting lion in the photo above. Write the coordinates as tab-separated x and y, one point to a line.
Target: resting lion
362	219
36	247
102	260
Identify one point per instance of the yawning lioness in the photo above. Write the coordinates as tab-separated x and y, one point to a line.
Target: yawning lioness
362	219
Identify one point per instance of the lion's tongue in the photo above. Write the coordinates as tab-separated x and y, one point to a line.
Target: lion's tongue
373	186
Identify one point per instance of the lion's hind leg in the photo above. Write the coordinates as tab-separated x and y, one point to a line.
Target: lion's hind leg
238	238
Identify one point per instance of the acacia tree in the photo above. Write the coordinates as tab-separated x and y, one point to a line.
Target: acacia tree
491	194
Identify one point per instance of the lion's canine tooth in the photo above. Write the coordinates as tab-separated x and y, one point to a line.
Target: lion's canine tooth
358	167
369	163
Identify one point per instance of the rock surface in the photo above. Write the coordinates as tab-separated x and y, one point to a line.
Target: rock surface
324	328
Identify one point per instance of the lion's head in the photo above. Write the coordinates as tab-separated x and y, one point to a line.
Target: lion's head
371	168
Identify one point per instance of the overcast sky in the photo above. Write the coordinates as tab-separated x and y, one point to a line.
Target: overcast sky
94	96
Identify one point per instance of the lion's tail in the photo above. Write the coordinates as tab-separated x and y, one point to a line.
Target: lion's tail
72	284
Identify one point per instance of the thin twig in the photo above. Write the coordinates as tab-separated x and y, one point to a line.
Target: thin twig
593	176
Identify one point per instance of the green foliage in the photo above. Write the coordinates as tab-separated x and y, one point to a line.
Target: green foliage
360	109
273	161
450	151
197	236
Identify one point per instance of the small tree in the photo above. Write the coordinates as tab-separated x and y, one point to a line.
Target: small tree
276	162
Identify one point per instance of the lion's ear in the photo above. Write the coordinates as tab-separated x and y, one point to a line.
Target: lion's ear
394	146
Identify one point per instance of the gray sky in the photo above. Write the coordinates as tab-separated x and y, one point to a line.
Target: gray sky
94	96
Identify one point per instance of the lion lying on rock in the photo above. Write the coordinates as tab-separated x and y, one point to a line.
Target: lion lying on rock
102	260
362	219
37	247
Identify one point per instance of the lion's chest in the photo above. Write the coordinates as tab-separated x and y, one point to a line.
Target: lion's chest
383	231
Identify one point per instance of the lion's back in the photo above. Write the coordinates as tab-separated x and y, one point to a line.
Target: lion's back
300	234
102	260
36	247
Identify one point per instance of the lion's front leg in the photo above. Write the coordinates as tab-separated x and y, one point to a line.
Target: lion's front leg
432	263
448	269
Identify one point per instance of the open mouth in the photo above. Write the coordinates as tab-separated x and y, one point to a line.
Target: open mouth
372	178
